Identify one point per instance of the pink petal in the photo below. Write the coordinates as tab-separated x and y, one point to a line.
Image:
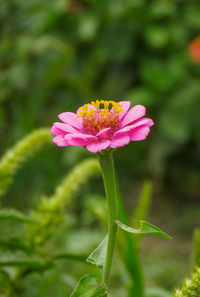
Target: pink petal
144	121
55	131
140	122
65	127
133	114
119	140
139	133
60	141
125	105
103	133
79	139
71	119
98	146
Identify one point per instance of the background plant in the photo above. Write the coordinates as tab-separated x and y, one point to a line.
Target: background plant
56	56
43	222
34	249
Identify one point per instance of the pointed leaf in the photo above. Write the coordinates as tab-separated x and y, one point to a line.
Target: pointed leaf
98	256
12	214
88	286
145	228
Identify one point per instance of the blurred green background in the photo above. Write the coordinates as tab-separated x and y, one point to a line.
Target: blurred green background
58	55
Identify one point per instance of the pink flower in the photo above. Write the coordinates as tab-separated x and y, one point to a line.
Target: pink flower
101	125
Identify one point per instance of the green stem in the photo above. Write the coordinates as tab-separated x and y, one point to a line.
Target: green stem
108	172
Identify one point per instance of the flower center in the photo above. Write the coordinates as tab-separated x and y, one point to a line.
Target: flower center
99	115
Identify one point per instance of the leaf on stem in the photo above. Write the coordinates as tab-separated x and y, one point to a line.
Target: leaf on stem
88	286
145	228
98	256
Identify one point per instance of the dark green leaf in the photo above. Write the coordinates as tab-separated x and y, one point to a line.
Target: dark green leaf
36	265
98	256
15	243
15	215
145	228
88	286
70	256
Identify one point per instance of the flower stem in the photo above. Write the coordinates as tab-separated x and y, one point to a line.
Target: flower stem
108	172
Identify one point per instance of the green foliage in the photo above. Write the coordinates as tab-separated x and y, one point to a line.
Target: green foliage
191	287
88	286
12	214
31	265
129	252
15	244
50	211
157	292
27	253
142	209
69	256
23	252
98	256
71	184
145	228
14	158
197	247
55	56
45	219
127	248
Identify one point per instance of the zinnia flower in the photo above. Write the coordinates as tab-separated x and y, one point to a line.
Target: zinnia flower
194	50
101	125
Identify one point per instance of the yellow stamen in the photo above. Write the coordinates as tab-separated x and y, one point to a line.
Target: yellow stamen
84	111
100	114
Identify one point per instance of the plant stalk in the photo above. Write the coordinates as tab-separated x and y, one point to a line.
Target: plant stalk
108	172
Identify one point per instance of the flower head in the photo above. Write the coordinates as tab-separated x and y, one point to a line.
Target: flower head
101	125
194	50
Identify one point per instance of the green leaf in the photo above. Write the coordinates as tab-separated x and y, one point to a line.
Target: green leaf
98	256
196	247
145	228
141	211
36	265
88	286
70	256
15	243
12	214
